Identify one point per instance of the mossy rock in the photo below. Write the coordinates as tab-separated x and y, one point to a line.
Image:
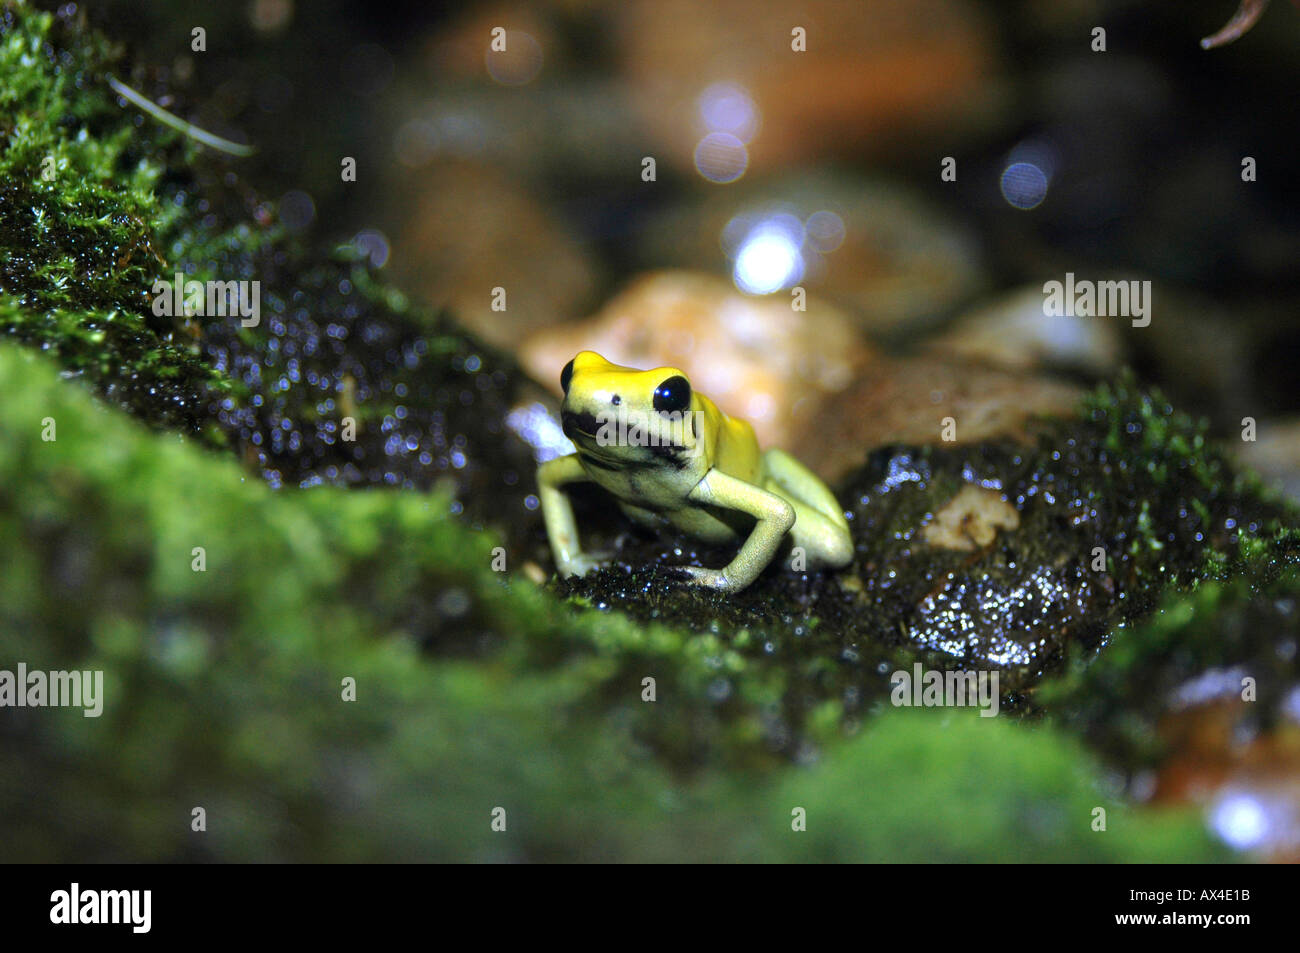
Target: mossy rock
224	691
1198	648
1114	509
99	203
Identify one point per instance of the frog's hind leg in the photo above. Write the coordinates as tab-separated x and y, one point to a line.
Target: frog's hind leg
785	475
819	527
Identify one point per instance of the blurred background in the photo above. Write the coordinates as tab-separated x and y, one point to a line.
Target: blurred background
526	169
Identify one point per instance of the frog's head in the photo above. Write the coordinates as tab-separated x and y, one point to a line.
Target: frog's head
624	415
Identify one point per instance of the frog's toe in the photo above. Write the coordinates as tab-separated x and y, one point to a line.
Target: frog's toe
579	566
709	578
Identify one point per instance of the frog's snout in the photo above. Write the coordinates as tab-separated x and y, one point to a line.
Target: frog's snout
583	423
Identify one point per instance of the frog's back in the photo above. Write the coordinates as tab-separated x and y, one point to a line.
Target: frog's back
736	452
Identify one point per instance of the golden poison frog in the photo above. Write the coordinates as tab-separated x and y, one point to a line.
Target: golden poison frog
670	457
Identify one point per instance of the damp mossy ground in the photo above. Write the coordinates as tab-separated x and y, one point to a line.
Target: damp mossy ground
1117	508
1199	648
79	216
474	691
98	202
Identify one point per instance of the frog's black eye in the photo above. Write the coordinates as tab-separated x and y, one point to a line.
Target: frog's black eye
673	396
566	376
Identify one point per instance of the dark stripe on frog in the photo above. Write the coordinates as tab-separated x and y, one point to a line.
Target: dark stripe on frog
670	453
662	454
597	462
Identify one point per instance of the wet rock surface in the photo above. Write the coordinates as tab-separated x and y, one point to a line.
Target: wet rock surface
1111	510
428	403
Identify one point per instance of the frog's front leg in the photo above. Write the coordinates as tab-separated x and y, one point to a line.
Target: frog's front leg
773	518
557	514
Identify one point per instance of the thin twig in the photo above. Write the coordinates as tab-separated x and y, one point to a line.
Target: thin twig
1247	15
179	124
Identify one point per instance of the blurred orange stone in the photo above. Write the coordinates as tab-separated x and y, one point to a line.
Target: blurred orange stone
874	77
469	229
756	357
1207	761
462	50
905	400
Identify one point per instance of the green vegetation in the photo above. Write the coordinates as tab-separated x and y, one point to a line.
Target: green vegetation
80	221
224	691
98	202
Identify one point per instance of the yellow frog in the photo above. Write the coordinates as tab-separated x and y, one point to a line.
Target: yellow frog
672	458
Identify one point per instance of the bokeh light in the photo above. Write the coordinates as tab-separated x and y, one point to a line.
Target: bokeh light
770	257
519	63
297	210
1024	185
825	231
534	425
1029	171
270	16
726	107
721	157
374	245
1240	820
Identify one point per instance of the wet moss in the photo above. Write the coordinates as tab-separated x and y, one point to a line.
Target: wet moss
474	690
127	202
78	225
1196	649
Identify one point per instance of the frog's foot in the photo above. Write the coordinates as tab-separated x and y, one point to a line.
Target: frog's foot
715	579
580	565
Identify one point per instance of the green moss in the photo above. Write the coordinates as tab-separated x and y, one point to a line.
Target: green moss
1197	647
473	692
79	221
128	201
1038	800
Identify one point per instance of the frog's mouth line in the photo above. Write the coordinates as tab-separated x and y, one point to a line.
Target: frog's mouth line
583	423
